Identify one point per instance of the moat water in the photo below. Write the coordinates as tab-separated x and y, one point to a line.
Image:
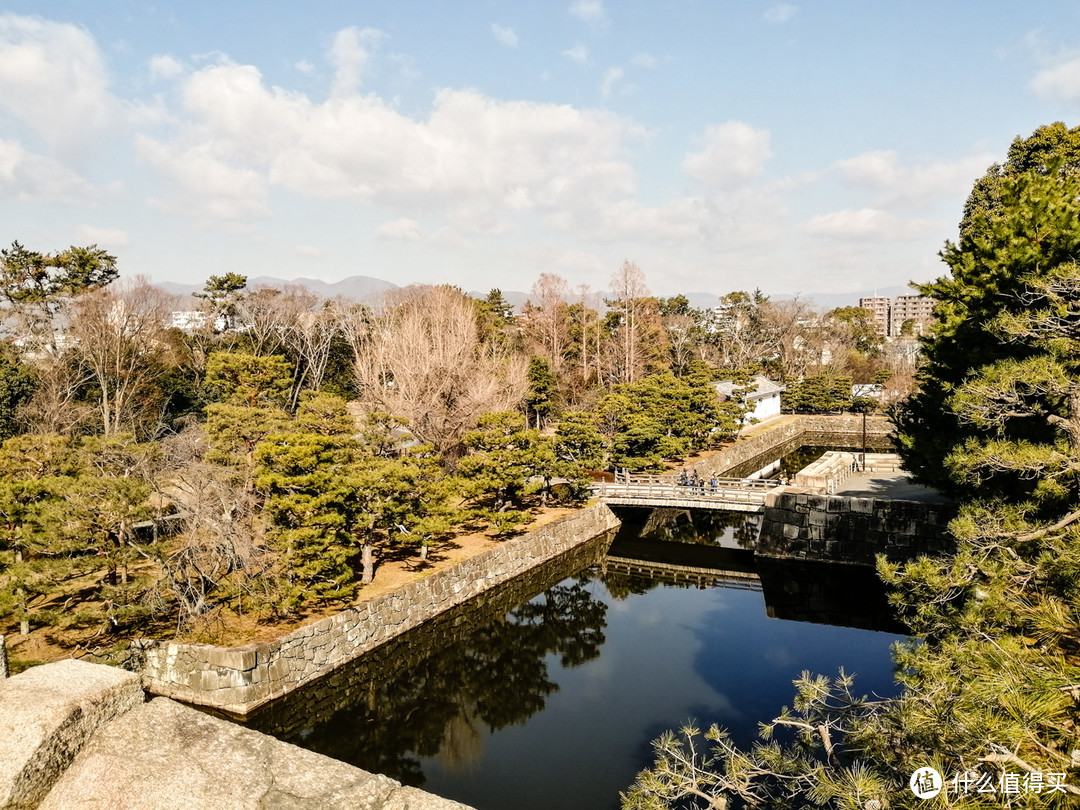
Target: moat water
549	693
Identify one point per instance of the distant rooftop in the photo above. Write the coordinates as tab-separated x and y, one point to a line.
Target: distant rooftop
759	388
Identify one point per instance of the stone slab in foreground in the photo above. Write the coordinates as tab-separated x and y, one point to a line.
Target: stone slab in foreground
47	715
163	755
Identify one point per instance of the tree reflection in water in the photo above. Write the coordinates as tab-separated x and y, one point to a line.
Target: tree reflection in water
433	691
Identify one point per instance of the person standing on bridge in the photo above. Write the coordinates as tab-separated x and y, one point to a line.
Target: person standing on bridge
712	484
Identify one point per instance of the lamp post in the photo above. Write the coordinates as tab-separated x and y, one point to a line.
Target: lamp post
864	441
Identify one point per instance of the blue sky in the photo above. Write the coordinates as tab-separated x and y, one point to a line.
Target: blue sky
796	147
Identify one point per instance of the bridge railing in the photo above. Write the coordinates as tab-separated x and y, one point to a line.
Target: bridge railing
674	480
739	490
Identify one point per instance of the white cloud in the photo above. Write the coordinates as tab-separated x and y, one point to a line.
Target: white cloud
607	84
504	36
590	11
868	223
645	60
409	230
208	188
579	261
579	54
475	159
52	77
406	229
916	183
26	177
304	66
1059	83
106	237
308	251
734	153
780	13
351	54
165	67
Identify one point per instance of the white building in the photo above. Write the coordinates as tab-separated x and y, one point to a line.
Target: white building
193	320
762	396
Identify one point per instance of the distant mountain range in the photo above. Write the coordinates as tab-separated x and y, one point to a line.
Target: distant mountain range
356	288
368	290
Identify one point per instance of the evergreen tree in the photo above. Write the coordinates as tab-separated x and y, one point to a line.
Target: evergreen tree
34	553
247	379
540	398
35	286
16	387
990	676
223	295
307	499
506	463
1031	228
578	442
819	393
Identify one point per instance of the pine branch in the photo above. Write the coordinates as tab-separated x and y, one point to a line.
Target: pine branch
1061	524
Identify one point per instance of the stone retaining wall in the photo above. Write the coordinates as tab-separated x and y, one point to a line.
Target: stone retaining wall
239	679
838	528
789	432
403	658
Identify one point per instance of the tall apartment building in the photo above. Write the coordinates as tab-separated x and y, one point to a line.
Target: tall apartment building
889	315
917	308
879	306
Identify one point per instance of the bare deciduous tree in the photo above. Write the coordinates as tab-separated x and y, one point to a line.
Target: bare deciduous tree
119	338
545	316
261	316
217	538
423	360
311	336
681	331
56	406
793	347
628	285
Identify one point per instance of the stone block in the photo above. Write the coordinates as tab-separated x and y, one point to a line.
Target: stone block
47	714
231	658
164	755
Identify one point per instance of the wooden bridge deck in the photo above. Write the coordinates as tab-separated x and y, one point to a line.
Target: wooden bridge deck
729	494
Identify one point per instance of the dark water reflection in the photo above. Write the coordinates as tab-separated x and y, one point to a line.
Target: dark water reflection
549	693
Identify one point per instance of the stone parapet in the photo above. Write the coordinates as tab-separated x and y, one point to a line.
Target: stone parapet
76	734
164	756
239	679
832	469
47	715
